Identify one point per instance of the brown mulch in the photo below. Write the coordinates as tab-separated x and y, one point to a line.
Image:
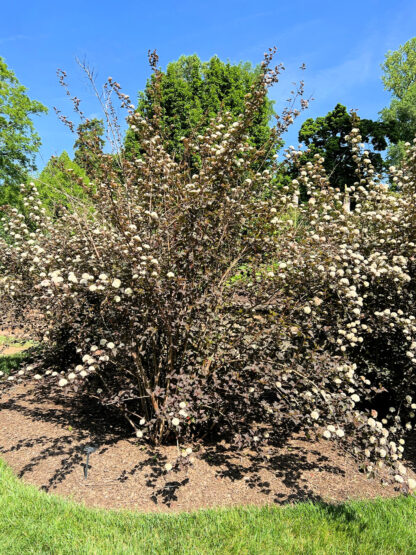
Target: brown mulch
44	442
7	350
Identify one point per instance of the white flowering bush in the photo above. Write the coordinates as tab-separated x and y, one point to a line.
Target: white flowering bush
195	302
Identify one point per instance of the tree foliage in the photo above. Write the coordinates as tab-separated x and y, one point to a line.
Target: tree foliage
18	140
327	136
191	93
400	79
88	147
62	183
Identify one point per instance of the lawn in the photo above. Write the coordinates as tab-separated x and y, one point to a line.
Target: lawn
35	522
11	362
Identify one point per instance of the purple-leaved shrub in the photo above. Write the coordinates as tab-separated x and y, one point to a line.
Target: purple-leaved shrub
197	297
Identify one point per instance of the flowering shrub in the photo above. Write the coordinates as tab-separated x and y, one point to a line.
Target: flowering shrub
197	302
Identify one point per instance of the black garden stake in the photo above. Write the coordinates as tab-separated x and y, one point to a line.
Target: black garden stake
89	449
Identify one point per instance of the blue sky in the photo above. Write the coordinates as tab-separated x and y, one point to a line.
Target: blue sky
342	43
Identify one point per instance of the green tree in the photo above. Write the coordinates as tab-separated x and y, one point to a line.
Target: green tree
18	140
191	92
62	182
326	136
88	148
399	78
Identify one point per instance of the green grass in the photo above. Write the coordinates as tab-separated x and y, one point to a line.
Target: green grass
34	522
10	341
10	363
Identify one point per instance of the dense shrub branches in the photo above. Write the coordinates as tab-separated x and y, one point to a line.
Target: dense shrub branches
193	300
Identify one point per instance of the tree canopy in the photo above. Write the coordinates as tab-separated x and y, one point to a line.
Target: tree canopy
327	136
191	92
62	182
18	140
399	78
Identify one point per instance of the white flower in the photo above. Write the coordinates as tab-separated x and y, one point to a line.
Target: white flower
402	469
72	376
340	433
411	483
103	277
116	283
139	434
315	415
331	428
103	342
182	405
110	345
128	291
307	310
383	453
355	398
170	275
183	413
117	299
188	450
37	377
168	466
62	382
399	479
142	422
175	421
83	374
92	287
327	434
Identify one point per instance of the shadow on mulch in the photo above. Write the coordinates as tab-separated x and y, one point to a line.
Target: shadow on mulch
94	427
44	434
288	466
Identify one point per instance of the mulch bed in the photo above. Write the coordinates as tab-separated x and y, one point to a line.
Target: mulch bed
43	435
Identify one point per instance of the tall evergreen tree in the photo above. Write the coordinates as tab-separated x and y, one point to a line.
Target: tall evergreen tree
89	146
326	136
